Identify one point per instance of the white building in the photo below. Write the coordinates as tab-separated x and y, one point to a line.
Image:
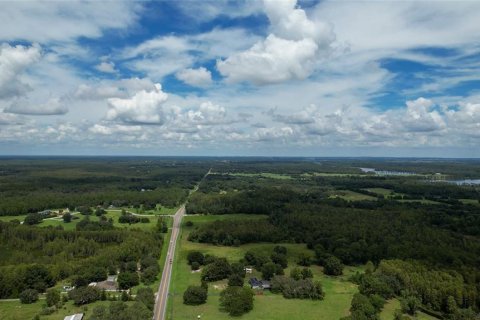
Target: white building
78	316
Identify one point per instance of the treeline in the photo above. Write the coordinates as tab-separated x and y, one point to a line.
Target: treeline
36	258
464	219
418	287
34	201
34	185
234	233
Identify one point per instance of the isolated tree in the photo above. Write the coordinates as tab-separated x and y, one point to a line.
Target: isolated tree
52	297
67	217
236	300
218	270
195	295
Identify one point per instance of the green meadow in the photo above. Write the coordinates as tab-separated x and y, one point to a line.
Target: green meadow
338	290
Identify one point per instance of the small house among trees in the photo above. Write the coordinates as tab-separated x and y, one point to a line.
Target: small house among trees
259	284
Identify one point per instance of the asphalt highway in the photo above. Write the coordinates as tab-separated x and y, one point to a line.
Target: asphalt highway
162	294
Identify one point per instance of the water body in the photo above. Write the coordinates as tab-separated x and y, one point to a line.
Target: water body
465	182
387	172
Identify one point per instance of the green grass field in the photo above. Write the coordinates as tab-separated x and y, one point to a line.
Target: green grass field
114	214
336	304
10	218
388	311
474	202
381	191
333	174
264	175
351	195
160	210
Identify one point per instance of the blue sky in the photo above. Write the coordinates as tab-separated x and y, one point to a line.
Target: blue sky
273	77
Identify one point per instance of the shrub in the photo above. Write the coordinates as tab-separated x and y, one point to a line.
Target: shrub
84	295
146	296
195	265
33	218
195	256
280	250
52	297
28	296
297	289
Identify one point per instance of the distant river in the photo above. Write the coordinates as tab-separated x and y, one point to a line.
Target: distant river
386	172
465	182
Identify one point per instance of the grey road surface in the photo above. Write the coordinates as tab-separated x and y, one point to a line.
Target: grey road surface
162	294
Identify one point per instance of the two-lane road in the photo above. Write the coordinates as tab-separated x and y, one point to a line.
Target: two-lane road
162	294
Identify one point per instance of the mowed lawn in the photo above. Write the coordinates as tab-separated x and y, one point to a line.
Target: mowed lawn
339	291
114	214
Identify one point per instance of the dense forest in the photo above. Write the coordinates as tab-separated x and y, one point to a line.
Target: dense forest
36	258
30	185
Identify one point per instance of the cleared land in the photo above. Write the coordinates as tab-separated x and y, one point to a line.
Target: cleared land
336	304
351	195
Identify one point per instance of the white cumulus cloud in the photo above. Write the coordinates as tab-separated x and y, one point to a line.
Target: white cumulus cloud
145	107
290	51
200	77
107	67
54	106
13	62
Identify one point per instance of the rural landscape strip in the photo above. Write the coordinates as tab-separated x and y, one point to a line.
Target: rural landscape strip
163	290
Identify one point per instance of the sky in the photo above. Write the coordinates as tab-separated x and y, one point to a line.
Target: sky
240	78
